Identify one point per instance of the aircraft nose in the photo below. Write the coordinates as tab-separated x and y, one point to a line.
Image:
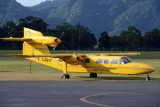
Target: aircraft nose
146	68
152	69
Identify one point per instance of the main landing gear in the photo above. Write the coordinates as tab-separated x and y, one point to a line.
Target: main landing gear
93	75
65	76
147	77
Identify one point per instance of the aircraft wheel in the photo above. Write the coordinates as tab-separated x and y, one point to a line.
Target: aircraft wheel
65	76
93	75
147	78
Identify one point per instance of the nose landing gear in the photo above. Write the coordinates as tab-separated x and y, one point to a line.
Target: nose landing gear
147	77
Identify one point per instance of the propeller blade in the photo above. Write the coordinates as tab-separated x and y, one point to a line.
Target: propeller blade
55	46
76	54
61	35
58	41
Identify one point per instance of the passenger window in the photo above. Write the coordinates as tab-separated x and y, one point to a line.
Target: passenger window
99	61
114	61
106	61
87	60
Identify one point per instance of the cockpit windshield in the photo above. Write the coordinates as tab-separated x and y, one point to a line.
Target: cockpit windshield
125	60
130	59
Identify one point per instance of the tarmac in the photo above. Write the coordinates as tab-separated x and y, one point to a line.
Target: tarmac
79	94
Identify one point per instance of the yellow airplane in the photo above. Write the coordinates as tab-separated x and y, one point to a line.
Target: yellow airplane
35	48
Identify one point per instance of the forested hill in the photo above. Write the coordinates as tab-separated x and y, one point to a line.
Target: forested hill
10	10
112	16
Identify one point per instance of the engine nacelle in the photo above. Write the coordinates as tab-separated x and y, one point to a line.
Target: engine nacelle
73	59
51	41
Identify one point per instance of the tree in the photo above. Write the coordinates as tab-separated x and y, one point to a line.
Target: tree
33	23
131	38
104	41
116	43
85	38
75	37
152	38
67	39
9	30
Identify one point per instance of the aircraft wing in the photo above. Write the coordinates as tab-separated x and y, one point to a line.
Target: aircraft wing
69	58
117	54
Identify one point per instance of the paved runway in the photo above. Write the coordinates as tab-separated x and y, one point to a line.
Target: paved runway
80	94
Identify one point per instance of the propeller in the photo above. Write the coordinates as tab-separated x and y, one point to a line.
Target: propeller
58	41
79	58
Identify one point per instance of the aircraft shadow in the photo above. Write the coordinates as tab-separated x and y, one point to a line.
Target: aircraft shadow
112	78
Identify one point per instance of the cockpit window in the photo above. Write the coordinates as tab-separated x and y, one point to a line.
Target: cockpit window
99	61
114	61
87	60
124	60
130	59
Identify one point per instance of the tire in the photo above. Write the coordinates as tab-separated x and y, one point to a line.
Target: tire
67	76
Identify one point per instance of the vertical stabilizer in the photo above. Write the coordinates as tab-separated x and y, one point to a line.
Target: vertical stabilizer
32	33
35	48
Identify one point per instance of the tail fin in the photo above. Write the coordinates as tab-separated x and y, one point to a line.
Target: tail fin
32	33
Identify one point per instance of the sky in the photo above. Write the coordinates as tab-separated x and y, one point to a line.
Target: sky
30	2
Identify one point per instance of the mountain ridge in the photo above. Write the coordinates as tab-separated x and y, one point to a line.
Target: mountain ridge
98	15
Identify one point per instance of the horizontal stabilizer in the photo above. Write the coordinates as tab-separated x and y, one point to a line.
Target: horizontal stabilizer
18	55
16	39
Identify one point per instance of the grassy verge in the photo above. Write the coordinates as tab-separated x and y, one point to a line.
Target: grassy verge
17	69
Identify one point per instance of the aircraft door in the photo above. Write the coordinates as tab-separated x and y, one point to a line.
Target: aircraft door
114	65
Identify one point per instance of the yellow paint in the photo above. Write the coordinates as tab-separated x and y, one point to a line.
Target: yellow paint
35	48
64	67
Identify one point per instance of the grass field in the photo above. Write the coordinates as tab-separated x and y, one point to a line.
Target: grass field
17	69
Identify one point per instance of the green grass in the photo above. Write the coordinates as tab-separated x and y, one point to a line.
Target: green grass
18	69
